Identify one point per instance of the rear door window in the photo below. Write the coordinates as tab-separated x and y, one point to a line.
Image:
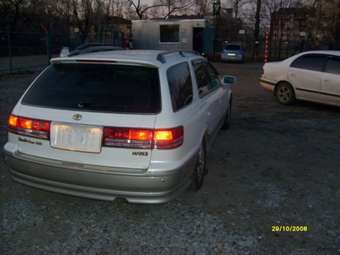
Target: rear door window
333	65
97	87
313	62
180	85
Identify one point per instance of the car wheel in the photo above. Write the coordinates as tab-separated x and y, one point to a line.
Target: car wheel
284	93
200	168
227	119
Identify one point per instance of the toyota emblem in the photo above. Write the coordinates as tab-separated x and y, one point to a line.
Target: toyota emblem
76	117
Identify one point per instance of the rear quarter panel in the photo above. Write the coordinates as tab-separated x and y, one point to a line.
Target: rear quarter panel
191	117
275	72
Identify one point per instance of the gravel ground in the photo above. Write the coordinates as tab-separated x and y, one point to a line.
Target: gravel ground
277	165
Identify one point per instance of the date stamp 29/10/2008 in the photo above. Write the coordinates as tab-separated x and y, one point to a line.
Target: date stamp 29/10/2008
287	228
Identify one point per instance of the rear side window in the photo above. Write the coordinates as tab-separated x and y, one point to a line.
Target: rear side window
180	85
333	66
202	77
206	76
213	77
97	87
313	62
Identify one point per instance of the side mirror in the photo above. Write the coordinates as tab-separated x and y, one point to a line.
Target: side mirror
228	80
65	51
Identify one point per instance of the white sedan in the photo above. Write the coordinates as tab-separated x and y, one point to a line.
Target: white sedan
311	76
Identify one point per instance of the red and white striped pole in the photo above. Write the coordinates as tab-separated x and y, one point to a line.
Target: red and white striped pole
266	47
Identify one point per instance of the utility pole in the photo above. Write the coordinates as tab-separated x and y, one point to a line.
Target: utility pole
9	46
216	12
257	29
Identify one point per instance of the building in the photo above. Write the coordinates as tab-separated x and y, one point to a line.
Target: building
294	30
111	30
117	27
288	31
175	33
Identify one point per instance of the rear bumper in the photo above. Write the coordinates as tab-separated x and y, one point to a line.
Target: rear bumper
134	187
236	58
268	85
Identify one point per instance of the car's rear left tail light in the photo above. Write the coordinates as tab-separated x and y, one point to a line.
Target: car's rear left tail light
29	127
168	138
143	138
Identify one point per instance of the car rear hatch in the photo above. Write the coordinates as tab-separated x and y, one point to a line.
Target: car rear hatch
93	113
232	50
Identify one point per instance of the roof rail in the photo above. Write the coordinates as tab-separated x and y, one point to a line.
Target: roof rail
161	56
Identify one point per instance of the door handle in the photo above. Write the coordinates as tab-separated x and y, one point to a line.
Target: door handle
326	80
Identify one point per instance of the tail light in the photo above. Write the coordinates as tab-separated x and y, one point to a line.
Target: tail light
29	127
143	138
128	138
168	138
112	136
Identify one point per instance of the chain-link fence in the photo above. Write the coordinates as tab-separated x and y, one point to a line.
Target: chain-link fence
28	51
20	52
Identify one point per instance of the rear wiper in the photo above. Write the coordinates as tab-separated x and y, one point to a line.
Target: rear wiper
83	105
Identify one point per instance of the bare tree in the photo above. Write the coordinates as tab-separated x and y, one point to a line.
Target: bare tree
140	9
270	9
82	16
11	10
326	15
173	6
115	7
237	4
203	7
257	28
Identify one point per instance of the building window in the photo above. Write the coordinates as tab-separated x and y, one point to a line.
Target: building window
169	33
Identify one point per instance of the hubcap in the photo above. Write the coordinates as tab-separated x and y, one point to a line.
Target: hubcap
200	164
284	94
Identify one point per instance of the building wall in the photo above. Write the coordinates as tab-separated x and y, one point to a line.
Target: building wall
146	34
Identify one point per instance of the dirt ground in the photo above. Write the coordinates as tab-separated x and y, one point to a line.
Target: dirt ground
277	165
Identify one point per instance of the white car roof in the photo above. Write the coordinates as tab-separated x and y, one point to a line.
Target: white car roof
146	57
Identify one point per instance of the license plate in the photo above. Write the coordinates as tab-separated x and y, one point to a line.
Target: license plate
231	54
76	137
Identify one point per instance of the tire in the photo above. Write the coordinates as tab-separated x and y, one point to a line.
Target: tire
227	119
200	168
284	93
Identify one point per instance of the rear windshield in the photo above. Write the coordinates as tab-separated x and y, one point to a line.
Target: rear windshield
233	47
97	87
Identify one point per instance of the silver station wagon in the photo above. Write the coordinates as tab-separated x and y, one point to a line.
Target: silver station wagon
132	124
